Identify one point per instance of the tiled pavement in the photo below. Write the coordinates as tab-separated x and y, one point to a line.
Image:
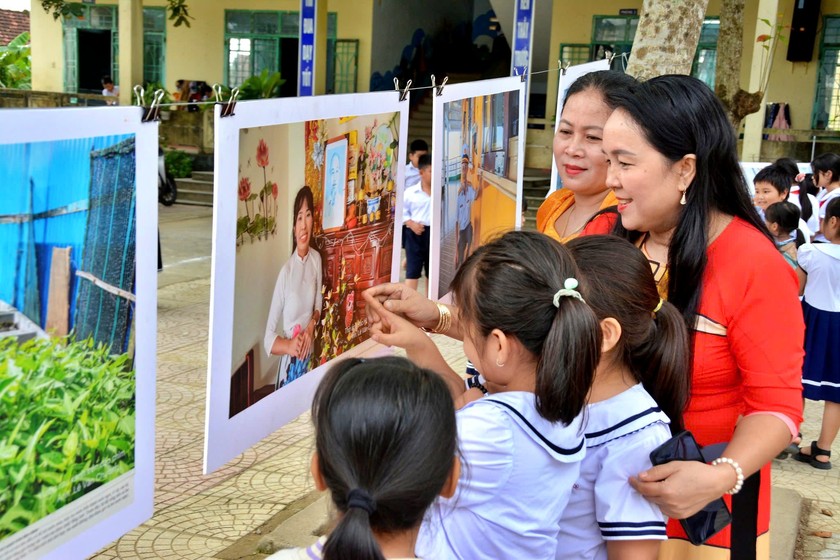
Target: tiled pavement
207	517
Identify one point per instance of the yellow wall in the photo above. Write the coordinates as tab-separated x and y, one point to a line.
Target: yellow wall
197	52
47	52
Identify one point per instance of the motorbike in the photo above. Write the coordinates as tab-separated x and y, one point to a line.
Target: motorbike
167	189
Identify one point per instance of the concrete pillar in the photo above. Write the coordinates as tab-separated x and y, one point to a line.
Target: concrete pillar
753	124
131	48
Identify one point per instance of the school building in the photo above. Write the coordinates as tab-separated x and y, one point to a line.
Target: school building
364	44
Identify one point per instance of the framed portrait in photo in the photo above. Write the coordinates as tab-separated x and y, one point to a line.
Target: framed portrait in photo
335	183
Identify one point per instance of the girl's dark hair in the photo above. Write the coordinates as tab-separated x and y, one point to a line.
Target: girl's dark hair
832	209
653	345
809	186
825	163
605	82
510	284
792	170
786	215
303	195
680	115
385	430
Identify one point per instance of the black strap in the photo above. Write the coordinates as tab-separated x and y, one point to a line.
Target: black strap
744	535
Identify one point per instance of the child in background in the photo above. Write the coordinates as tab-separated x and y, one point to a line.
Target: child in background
826	169
782	219
819	280
417	149
529	331
641	382
385	448
772	184
804	200
417	215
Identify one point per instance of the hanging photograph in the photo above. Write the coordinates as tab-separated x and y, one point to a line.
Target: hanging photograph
77	328
478	132
305	224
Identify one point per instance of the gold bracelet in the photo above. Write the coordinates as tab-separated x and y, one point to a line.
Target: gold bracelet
444	320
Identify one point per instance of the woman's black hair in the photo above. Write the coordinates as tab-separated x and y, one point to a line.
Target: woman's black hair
786	215
807	184
828	162
605	82
680	115
790	167
510	284
654	345
385	436
303	195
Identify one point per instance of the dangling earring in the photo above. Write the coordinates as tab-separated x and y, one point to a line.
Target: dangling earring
682	200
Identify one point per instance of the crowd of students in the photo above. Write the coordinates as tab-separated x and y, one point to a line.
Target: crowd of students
594	350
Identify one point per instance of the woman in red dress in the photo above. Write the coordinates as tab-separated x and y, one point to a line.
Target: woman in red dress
682	198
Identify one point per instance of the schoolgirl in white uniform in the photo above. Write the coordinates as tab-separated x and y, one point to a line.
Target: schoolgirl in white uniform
641	385
529	331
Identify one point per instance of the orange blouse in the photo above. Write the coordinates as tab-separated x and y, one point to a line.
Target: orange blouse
556	205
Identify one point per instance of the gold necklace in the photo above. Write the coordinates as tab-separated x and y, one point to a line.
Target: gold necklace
569	220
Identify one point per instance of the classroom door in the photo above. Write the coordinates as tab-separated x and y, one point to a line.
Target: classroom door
94	59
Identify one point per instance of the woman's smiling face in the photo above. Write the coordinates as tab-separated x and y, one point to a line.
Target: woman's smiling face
303	228
577	143
648	186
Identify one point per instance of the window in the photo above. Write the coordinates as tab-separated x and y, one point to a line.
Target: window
615	34
705	59
154	45
827	103
262	40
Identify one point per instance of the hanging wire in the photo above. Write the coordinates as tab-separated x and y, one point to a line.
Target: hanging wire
622	56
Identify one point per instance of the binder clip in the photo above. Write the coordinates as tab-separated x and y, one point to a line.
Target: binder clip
152	112
439	88
404	92
228	107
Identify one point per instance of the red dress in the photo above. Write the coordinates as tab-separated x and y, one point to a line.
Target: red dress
748	352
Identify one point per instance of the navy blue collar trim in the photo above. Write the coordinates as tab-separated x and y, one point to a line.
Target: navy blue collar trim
624	422
553	447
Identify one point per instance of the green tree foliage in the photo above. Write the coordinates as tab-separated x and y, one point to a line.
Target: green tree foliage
262	86
178	10
16	63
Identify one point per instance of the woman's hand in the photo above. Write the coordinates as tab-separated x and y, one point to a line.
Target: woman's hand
306	337
392	330
402	300
682	488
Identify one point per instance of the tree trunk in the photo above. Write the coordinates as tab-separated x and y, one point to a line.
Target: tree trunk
738	103
667	37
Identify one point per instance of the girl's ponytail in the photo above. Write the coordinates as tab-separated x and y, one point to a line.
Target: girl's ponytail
662	363
511	284
567	365
654	342
353	536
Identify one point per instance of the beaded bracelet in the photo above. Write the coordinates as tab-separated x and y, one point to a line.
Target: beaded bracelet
739	483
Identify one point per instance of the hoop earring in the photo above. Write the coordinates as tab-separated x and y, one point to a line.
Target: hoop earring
682	200
498	364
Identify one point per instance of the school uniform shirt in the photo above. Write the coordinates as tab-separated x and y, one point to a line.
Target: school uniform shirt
620	434
314	552
297	294
466	197
412	175
823	198
822	263
516	478
417	206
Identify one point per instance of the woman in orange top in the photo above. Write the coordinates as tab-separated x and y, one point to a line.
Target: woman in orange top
674	169
577	153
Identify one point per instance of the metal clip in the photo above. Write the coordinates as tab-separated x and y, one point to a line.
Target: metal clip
139	94
227	108
610	55
152	112
439	88
217	92
404	92
564	66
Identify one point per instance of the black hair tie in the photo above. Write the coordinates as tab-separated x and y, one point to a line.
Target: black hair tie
359	498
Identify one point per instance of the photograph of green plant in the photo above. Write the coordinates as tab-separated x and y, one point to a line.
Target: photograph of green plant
69	407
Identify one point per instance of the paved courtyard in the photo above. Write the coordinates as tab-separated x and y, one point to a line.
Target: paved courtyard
226	514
